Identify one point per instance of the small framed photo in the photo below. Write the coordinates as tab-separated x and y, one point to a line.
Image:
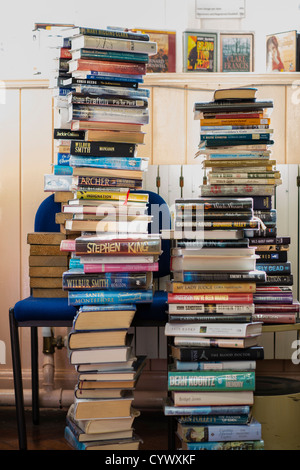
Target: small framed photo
200	51
237	52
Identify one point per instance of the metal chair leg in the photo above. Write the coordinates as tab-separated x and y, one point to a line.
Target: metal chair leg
18	384
35	376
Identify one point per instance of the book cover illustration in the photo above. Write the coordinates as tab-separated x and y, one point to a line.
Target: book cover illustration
236	52
200	51
282	52
165	58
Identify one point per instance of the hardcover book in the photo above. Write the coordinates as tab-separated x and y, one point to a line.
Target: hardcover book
200	53
236	52
165	58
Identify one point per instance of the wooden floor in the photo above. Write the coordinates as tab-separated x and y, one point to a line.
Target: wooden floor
150	426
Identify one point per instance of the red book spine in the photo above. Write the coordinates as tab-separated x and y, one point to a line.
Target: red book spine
237	115
114	268
210	299
67	245
108	66
65	53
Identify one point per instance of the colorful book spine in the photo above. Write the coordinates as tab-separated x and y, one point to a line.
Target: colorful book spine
109	162
114	268
212	380
222	433
82	281
211	298
109	297
232	445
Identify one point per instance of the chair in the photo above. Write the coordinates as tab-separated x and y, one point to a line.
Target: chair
55	312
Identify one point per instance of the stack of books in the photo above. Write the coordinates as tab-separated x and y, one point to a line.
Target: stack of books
47	264
235	143
214	342
113	256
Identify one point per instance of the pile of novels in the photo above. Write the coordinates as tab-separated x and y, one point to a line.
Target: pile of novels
113	256
235	141
47	264
213	340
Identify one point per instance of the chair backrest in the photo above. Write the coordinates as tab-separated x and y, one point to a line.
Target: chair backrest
45	222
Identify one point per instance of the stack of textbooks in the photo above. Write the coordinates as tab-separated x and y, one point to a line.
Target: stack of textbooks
235	143
213	339
113	256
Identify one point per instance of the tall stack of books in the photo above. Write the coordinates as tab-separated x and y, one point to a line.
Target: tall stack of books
214	340
113	255
236	141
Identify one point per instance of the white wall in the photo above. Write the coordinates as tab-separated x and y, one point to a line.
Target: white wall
17	54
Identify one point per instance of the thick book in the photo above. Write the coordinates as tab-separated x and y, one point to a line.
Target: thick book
96	338
199	354
204	411
218	365
102	149
115	135
97	355
77	279
214	203
218	419
67	134
204	342
98	182
213	263
243	243
106	408
210	318
99	65
233	106
106	100
123	196
210	298
110	55
78	112
121	444
113	44
108	33
109	297
273	298
278	308
118	245
237	190
216	433
214	330
98	226
117	163
214	225
115	268
274	318
104	317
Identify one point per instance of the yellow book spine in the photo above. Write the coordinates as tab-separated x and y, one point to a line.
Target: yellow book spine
111	195
234	122
202	288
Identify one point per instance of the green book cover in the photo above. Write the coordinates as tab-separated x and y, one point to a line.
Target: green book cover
211	381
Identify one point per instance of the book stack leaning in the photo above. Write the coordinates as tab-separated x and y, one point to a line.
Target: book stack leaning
215	342
236	142
113	256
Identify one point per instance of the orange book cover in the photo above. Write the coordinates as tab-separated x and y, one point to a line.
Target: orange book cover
165	59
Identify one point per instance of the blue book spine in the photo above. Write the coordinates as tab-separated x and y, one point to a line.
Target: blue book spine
221	419
75	263
275	268
104	308
109	297
63	91
63	159
232	445
170	410
117	78
62	170
115	55
108	162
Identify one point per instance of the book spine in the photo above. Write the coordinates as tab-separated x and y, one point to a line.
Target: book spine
211	298
203	342
86	297
234	122
129	68
276	268
194	276
109	33
236	190
116	247
210	318
67	134
270	241
90	100
214	204
273	297
65	53
113	55
107	162
284	308
243	181
207	411
221	419
236	445
279	256
274	318
117	45
111	196
84	182
221	433
109	114
198	288
62	170
235	136
102	82
111	268
213	243
213	380
63	159
226	309
199	354
105	281
279	280
252	224
225	365
102	149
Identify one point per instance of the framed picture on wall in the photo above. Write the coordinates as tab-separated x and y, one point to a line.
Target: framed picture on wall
200	51
236	52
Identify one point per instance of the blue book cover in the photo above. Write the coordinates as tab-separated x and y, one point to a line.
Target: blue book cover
63	159
105	308
109	162
109	297
75	263
62	170
218	419
237	136
117	78
76	279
